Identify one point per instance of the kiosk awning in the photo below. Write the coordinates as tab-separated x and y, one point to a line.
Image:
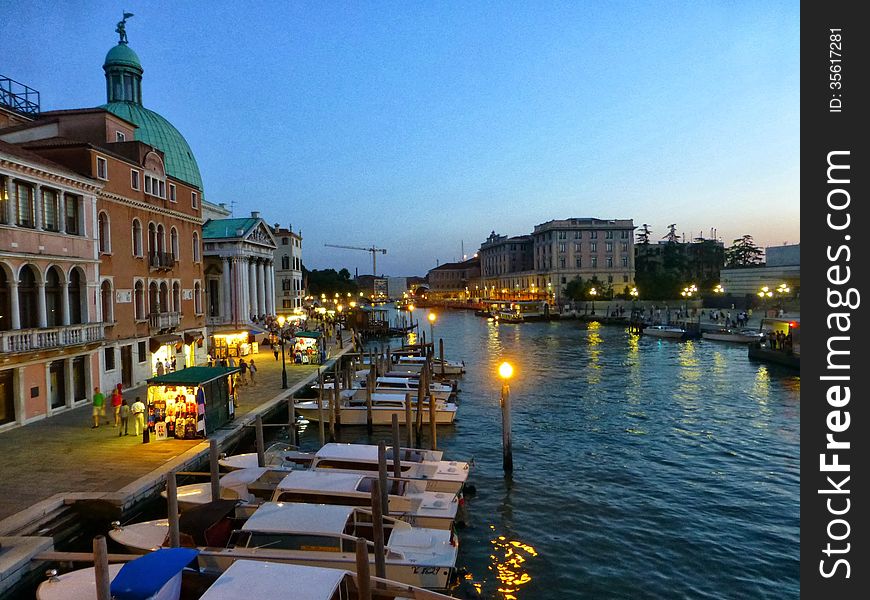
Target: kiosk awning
308	334
192	376
161	340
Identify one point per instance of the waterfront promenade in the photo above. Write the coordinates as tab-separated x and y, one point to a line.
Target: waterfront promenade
63	455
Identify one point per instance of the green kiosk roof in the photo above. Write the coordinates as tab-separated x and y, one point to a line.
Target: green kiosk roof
192	376
308	334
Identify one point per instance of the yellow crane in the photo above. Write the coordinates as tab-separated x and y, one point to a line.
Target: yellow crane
371	249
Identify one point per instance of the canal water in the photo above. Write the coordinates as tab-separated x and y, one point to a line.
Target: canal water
643	468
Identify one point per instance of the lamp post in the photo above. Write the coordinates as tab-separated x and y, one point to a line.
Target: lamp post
281	321
634	294
593	292
688	291
432	318
506	371
781	292
411	315
765	293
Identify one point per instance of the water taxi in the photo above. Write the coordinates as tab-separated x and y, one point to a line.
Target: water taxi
740	336
354	411
665	331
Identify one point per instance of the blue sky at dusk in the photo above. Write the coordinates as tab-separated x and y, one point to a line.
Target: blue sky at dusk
416	126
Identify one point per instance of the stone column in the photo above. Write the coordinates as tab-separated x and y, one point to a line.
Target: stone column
252	288
261	288
226	312
11	201
64	304
69	391
61	212
37	207
242	278
93	291
270	290
13	305
40	296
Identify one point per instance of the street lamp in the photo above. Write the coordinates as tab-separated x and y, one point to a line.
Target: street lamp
432	318
281	321
718	289
592	292
506	371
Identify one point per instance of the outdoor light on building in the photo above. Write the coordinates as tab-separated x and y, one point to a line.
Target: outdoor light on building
340	307
353	304
281	321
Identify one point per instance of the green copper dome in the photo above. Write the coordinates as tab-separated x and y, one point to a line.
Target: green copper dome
122	55
160	133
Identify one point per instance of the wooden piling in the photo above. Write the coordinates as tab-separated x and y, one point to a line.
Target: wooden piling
421	391
378	530
441	354
101	568
507	451
363	578
336	397
172	510
261	448
320	423
409	420
382	476
370	384
433	436
397	464
213	457
291	419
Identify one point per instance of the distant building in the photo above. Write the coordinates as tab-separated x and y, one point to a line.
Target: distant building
289	290
783	265
455	281
212	211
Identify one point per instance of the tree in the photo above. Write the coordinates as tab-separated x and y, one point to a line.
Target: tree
330	282
743	253
643	235
574	289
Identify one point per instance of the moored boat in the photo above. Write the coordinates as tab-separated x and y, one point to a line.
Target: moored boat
740	336
664	331
354	411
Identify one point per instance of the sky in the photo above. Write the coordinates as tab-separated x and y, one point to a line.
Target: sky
419	127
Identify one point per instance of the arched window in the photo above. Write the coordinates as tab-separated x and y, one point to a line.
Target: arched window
161	239
195	247
176	297
137	238
5	320
152	239
139	301
153	298
173	243
28	309
103	233
53	298
197	299
164	298
106	304
77	307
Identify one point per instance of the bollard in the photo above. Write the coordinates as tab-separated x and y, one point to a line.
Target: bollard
382	476
213	455
291	419
172	510
378	530
261	450
409	420
507	452
363	579
101	568
370	384
418	425
397	464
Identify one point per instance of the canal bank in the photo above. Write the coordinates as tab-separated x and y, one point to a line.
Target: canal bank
50	466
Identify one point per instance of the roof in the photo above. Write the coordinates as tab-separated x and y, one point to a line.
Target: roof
30	156
277	517
227	228
321	481
122	55
192	375
308	334
362	452
155	130
258	580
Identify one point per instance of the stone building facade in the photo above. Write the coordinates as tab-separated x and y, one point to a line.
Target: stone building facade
289	288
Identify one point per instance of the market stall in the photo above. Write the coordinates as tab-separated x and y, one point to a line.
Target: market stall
306	348
191	402
233	345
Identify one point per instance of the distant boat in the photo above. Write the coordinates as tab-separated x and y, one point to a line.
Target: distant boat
665	331
742	336
353	410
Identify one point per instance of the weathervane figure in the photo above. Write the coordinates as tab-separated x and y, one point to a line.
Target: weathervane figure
122	28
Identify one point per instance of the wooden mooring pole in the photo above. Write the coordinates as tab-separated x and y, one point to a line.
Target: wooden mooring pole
261	443
433	436
382	476
214	468
172	510
378	530
409	422
441	354
363	579
370	384
101	568
397	464
507	452
320	424
291	419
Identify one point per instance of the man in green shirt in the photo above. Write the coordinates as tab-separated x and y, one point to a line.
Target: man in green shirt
99	404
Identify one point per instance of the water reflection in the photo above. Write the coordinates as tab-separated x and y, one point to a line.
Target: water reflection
508	559
593	352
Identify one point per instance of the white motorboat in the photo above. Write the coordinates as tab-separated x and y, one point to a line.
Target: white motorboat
740	336
154	576
408	500
246	485
406	385
278	456
425	465
451	367
664	331
353	409
324	535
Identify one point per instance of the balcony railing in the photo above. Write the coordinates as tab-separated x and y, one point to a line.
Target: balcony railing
26	340
161	260
164	320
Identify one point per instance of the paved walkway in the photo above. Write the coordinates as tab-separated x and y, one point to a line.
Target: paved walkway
63	453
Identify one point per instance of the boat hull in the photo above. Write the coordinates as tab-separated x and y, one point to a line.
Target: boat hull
729	337
357	415
673	334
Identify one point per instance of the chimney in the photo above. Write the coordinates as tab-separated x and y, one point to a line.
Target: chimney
255	214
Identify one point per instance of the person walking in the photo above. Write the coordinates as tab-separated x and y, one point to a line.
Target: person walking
159	368
116	404
125	418
138	410
99	402
253	370
243	371
275	351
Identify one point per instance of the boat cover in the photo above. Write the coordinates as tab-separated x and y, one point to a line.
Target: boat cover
142	578
208	524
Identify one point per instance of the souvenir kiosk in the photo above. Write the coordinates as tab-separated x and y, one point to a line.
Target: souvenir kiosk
306	347
190	403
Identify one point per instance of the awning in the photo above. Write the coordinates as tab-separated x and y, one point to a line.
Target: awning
192	376
161	340
308	334
192	336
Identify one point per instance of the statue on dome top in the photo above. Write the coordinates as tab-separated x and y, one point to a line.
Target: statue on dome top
122	28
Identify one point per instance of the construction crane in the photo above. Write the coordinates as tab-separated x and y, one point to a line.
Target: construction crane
373	250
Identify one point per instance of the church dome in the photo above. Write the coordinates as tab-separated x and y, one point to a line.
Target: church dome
122	55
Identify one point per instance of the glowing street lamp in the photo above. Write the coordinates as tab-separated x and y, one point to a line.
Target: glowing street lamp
592	292
432	318
506	371
718	289
281	321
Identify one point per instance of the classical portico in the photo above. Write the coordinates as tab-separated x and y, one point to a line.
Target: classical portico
240	271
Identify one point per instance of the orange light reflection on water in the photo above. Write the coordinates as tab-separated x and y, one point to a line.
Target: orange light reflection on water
508	563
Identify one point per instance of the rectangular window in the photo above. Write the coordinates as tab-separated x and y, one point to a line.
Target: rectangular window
593	235
72	215
576	235
120	137
608	246
577	247
172	197
623	246
50	219
623	235
577	262
134	179
610	279
594	264
624	261
287	303
593	246
194	200
562	246
609	262
563	235
162	193
140	351
102	168
625	279
562	263
24	194
608	235
109	358
147	184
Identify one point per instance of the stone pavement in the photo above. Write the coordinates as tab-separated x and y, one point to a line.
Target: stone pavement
63	453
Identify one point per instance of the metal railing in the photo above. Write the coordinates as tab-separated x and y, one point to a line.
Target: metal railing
18	97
